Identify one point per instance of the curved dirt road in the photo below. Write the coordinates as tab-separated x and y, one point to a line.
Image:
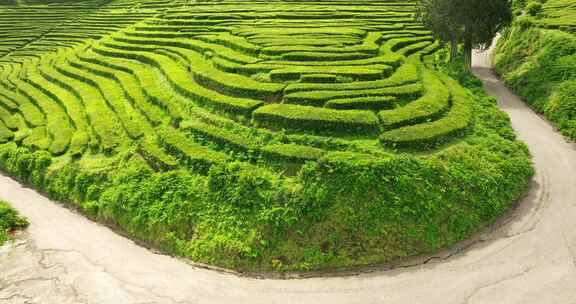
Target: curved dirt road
65	258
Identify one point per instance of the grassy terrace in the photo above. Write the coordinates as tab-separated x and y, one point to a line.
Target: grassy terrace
253	135
559	14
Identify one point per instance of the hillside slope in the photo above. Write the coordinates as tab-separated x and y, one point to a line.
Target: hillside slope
254	135
537	59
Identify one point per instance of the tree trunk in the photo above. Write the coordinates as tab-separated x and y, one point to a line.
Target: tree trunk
468	55
453	49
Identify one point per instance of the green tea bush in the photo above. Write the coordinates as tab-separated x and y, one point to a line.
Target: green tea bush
534	8
9	220
312	119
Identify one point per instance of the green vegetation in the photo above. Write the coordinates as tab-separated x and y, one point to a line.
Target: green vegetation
9	221
539	63
473	23
293	136
552	14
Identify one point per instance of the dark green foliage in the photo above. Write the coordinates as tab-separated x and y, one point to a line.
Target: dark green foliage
474	23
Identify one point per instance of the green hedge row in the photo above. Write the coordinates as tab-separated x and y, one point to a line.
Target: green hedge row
299	31
188	152
219	135
134	90
319	78
17	101
292	152
112	93
406	73
317	120
7	119
58	124
105	123
374	103
370	72
360	51
85	134
70	102
37	139
234	42
180	82
430	135
209	76
155	156
109	126
320	55
394	45
393	60
6	134
319	98
434	102
148	80
414	48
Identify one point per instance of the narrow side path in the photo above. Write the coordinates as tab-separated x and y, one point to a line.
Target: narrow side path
65	258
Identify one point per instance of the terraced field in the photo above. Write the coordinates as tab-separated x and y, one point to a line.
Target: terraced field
290	92
559	14
289	67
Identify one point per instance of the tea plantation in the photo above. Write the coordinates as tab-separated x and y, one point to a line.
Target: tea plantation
254	135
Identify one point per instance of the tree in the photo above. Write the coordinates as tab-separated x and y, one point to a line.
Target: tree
473	23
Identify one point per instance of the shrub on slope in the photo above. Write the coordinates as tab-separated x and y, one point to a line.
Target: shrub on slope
9	220
540	65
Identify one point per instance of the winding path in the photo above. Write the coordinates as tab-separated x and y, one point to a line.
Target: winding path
65	258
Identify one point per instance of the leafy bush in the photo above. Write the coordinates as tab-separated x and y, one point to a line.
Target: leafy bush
534	8
9	220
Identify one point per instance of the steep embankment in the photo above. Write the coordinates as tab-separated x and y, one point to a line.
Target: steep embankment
537	59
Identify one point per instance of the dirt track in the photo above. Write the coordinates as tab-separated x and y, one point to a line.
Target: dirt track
65	258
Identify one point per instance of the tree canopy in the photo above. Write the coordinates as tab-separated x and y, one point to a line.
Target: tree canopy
473	23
